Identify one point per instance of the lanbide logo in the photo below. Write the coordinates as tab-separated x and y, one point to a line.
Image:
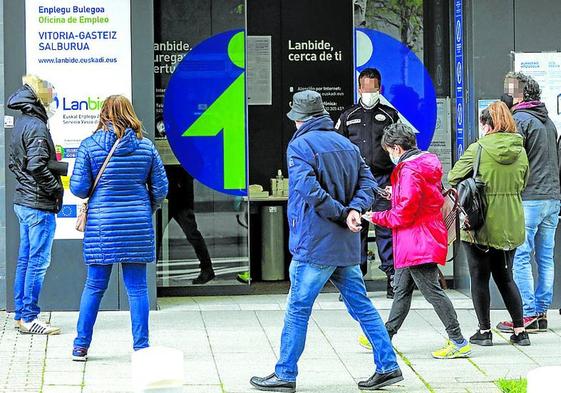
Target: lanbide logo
87	103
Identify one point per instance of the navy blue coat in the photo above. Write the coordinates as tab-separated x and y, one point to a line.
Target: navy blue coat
119	226
327	177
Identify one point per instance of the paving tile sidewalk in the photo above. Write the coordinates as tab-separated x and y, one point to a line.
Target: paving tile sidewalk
226	340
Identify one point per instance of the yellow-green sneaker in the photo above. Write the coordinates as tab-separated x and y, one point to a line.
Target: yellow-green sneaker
363	341
453	351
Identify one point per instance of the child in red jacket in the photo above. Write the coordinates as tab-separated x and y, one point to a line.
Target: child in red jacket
419	235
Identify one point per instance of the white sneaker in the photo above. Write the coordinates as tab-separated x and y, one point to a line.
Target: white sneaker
38	327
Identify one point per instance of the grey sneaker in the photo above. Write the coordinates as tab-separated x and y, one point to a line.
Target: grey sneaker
38	327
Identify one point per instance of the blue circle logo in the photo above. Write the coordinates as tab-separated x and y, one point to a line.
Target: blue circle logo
406	83
204	113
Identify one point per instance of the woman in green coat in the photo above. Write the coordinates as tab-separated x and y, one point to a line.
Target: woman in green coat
490	250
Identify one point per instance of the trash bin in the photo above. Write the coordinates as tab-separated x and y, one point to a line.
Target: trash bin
272	243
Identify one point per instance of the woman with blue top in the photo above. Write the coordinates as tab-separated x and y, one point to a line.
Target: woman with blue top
119	227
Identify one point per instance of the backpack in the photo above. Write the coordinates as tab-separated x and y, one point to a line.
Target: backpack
472	198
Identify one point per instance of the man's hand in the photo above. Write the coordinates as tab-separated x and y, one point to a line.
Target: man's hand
354	221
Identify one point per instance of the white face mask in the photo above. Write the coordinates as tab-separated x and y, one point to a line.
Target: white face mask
51	109
369	100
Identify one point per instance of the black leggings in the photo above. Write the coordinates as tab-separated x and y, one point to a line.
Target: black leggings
498	263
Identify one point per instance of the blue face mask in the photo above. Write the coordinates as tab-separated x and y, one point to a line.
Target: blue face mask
395	160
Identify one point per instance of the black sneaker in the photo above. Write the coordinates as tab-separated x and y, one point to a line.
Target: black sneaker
378	381
79	354
204	277
542	322
521	339
271	383
483	339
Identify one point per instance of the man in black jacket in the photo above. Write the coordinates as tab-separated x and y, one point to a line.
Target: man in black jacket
364	125
540	200
38	196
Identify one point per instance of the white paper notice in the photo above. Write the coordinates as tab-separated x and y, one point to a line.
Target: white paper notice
259	71
545	68
83	47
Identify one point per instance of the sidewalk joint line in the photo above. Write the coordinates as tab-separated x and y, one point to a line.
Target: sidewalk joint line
212	353
410	365
500	334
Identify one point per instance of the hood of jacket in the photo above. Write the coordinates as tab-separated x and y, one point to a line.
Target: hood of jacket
319	123
503	147
534	108
427	164
106	139
25	100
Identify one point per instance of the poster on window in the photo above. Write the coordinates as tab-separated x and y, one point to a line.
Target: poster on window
545	68
83	47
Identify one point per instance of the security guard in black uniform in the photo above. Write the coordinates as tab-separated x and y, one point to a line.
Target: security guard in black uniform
364	125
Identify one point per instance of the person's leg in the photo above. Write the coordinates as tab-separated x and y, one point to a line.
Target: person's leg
545	243
134	276
522	268
23	260
403	293
96	284
306	281
186	220
426	279
501	268
351	285
479	273
41	236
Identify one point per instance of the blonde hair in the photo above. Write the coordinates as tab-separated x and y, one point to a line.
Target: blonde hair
117	114
43	89
498	117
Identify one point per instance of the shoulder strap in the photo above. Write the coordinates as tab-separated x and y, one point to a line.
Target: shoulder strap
103	167
477	160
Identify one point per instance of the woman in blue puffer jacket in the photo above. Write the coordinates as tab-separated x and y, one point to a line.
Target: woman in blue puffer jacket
119	227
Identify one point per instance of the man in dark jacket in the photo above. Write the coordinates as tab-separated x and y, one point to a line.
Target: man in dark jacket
38	196
329	187
364	125
540	200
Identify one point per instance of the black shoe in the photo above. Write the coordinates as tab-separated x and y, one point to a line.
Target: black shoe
483	339
521	339
542	322
378	381
389	287
271	383
204	277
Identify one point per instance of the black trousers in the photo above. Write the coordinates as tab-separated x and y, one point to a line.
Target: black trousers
185	217
384	241
498	263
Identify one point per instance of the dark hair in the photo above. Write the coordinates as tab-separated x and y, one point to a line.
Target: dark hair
531	88
370	73
399	134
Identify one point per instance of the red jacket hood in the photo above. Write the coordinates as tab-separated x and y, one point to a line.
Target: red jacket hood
427	164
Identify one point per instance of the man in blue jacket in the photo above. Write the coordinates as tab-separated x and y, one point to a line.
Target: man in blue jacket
329	187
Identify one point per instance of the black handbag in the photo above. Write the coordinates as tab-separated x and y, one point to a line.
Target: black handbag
472	198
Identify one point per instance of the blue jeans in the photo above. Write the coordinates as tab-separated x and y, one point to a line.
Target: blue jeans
36	234
134	276
306	281
541	218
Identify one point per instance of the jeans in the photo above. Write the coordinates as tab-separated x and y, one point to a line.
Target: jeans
36	231
307	280
541	218
426	279
134	276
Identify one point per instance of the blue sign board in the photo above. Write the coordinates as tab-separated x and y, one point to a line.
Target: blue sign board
459	75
